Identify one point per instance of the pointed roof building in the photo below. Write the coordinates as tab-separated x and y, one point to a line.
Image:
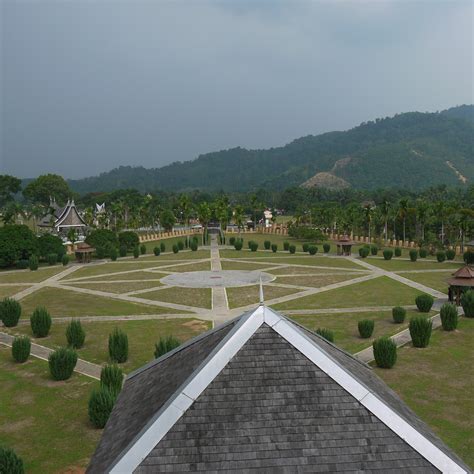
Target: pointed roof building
263	394
63	218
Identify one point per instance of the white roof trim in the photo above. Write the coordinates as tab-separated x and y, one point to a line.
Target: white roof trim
233	342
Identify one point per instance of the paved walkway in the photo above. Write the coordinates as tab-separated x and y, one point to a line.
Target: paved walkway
41	352
220	304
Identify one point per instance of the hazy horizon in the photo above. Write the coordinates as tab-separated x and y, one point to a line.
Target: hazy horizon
90	86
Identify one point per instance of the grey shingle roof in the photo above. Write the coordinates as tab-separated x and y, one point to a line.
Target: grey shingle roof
270	409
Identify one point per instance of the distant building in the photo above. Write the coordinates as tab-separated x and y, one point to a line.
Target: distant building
61	219
263	394
268	216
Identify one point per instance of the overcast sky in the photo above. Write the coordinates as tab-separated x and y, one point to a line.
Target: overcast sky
91	85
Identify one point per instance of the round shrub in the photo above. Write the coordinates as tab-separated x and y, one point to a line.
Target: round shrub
22	264
267	244
399	314
10	312
449	316
385	352
326	334
111	377
374	250
75	334
40	322
16	242
33	263
162	246
156	251
253	246
424	303
136	252
274	248
102	239
441	256
21	348
65	260
286	246
413	255
52	258
118	346
363	252
175	248
249	244
313	250
62	362
292	248
49	243
193	245
101	403
387	254
468	257
423	253
366	328
238	244
142	249
305	247
467	303
10	463
450	254
326	247
113	254
420	330
123	251
129	240
165	344
398	252
180	244
232	241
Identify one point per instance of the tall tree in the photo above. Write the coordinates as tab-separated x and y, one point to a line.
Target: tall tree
402	213
48	186
9	186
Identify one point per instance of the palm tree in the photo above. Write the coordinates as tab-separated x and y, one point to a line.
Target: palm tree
440	210
185	208
368	214
204	216
465	220
254	204
422	211
403	212
239	216
384	212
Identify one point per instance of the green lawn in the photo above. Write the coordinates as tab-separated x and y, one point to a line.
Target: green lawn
119	287
44	421
436	280
314	281
132	276
380	291
181	255
11	290
27	276
245	295
198	297
303	270
190	267
111	267
437	383
344	326
61	302
150	245
239	265
421	264
142	336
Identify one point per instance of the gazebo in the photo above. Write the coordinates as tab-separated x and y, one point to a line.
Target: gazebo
84	252
463	280
344	246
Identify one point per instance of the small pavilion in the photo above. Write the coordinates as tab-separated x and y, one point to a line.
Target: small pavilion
344	246
463	280
84	252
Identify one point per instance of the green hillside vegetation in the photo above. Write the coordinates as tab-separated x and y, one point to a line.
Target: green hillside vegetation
408	150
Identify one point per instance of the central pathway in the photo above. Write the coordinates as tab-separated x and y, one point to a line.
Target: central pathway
220	305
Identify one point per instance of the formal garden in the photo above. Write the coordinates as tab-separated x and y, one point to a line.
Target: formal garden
73	331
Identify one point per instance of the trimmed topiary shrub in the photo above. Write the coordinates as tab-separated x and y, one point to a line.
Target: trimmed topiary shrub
366	328
326	247
193	245
424	303
388	254
136	252
232	240
326	333
75	334
180	245
40	322
238	244
253	246
156	251
399	314
398	252
413	255
423	253
363	252
305	247
175	248
274	248
22	264
123	251
10	312
467	303
111	377
313	250
249	244
374	250
62	362
292	248
441	256
142	249
113	254
267	244
52	258
118	346
33	263
101	403
165	344
286	246
65	260
449	316
10	463
450	254
162	246
385	352
420	330
21	347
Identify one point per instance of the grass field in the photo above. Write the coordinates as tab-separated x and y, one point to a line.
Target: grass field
437	383
27	276
239	265
44	421
118	287
395	265
245	295
11	290
313	281
436	280
199	297
381	291
131	276
111	267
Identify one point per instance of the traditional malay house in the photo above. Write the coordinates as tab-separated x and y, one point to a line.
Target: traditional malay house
61	219
344	246
263	394
462	280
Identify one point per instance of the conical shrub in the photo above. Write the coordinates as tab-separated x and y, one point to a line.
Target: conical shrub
111	377
75	334
449	317
10	463
366	328
118	346
420	331
21	348
101	403
62	362
385	352
165	344
467	303
10	312
326	333
40	322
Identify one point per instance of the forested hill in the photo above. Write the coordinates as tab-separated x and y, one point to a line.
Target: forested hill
410	150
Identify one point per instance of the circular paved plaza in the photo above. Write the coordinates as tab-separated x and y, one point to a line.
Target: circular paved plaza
218	278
